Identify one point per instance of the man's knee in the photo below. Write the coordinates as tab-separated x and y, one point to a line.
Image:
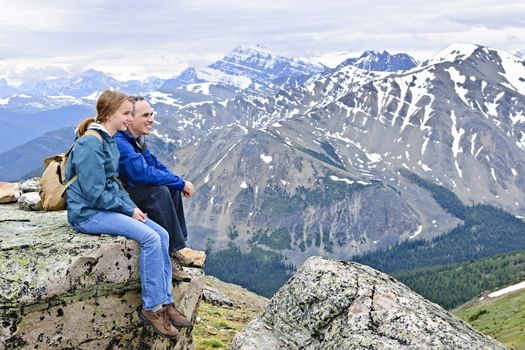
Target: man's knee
160	192
149	194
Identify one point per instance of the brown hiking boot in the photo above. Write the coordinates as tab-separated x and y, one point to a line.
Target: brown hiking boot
189	257
177	318
178	273
160	321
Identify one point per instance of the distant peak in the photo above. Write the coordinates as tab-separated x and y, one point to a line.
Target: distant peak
520	54
252	50
375	53
92	72
454	51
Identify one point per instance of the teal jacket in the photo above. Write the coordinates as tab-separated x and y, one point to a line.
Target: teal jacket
95	163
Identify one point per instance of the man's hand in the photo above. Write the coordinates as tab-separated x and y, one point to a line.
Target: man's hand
188	189
139	215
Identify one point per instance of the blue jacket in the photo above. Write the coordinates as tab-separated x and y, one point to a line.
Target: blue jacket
143	168
95	190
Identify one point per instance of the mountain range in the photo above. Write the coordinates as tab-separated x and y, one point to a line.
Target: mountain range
295	159
65	101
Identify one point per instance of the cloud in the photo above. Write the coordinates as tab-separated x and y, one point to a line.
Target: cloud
163	37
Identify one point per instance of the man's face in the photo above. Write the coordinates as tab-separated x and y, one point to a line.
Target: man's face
142	121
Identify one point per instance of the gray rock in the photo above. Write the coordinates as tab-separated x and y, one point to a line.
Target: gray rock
336	305
215	297
61	289
30	201
31	185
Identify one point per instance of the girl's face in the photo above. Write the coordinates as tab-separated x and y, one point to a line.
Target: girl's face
121	119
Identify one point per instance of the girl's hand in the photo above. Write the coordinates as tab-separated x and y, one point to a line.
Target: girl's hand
139	215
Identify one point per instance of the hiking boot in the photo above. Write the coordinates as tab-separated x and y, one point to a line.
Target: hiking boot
160	321
178	273
190	258
177	318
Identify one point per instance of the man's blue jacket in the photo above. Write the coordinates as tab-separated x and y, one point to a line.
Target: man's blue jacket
139	167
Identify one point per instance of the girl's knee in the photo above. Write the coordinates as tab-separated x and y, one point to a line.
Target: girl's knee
163	234
151	238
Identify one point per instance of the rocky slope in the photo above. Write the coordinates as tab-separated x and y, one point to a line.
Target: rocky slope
319	168
336	305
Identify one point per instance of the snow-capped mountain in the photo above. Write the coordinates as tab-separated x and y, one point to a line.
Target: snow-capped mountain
82	89
5	89
254	69
321	168
520	53
381	61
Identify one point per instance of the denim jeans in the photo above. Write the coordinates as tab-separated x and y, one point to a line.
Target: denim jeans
154	262
164	206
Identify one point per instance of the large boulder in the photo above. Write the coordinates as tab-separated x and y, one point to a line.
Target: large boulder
343	305
9	192
60	289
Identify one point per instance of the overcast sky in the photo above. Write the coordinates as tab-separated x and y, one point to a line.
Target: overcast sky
134	39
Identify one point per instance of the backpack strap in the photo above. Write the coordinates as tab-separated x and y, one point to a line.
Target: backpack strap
69	183
94	133
74	178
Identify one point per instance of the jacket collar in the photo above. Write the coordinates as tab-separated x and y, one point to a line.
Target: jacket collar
140	142
98	127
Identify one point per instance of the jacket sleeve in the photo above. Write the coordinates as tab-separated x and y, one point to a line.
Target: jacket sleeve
139	172
151	159
88	160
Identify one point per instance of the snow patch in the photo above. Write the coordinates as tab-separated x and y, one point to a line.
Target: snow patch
507	290
419	229
373	157
266	159
456	134
458	81
335	178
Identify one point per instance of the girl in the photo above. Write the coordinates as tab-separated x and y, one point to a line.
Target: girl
97	204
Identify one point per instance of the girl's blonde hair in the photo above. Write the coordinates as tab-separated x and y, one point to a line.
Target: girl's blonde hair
107	104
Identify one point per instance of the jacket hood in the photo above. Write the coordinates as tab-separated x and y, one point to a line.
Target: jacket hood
99	127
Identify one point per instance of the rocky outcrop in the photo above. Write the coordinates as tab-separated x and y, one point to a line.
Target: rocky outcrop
338	305
60	289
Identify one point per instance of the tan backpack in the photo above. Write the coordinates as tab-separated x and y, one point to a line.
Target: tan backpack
52	186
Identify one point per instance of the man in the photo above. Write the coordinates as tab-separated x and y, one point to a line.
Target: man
155	189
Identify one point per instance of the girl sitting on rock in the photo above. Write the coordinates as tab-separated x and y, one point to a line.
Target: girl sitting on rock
97	204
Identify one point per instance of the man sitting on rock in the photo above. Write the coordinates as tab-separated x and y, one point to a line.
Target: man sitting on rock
155	189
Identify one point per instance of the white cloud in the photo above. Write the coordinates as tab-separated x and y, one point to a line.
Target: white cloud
136	39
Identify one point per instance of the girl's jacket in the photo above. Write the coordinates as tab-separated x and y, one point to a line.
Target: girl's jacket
96	165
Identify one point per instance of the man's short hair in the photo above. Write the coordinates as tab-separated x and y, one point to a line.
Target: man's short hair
134	100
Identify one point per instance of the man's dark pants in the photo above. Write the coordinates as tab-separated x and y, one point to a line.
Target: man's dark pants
164	206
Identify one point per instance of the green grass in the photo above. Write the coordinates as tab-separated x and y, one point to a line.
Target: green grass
501	318
218	325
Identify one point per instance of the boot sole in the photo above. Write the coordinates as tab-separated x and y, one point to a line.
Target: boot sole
181	325
199	266
188	279
149	324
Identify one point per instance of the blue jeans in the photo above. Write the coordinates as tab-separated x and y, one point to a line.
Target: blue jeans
154	263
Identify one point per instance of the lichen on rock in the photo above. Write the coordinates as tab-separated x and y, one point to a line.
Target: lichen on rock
62	289
343	305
